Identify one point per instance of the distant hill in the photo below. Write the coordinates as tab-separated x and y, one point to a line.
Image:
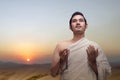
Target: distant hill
17	65
115	64
46	65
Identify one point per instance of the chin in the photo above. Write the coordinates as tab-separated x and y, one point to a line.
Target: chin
78	31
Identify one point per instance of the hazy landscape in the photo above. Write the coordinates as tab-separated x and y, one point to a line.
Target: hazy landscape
13	71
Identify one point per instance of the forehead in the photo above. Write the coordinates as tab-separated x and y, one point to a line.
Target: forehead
78	17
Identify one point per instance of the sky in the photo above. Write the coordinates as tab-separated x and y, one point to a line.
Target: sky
30	29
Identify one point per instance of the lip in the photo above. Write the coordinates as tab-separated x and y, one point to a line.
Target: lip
78	26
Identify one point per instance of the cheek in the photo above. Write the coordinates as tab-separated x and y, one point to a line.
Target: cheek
83	24
73	24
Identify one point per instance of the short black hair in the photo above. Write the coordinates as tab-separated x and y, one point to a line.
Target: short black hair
77	13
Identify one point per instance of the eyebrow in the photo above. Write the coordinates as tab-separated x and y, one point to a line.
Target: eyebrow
78	19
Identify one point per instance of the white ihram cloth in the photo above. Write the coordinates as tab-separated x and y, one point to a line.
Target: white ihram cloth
78	67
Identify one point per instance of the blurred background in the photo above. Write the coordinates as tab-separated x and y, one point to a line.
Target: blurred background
30	30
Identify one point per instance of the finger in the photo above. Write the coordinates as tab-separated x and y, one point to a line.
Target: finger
96	52
93	53
63	52
88	54
87	50
66	52
90	51
92	48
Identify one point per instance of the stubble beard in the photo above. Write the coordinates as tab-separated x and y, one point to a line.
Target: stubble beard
79	31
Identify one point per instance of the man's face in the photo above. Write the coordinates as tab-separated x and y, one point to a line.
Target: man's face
78	24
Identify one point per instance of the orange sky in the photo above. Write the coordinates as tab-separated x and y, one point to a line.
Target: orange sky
32	29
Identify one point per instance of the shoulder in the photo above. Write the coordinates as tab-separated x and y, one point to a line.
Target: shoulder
62	45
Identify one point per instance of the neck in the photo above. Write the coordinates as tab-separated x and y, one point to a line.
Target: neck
77	37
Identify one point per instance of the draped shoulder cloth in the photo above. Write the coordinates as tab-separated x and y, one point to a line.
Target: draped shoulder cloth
78	67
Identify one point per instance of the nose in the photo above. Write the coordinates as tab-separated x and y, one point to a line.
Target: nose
78	22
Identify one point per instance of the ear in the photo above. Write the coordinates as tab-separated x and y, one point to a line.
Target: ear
86	26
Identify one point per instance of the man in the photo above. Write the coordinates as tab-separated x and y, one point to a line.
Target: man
79	58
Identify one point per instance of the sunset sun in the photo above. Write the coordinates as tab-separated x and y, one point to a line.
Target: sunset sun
28	60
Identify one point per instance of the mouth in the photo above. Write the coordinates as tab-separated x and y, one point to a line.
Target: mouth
78	27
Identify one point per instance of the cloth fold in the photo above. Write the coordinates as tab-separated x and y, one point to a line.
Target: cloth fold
78	67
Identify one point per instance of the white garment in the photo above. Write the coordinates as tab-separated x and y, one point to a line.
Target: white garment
78	67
